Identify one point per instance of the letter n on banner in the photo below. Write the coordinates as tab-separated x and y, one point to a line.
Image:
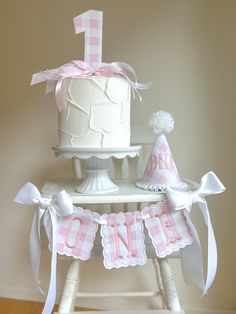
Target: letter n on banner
168	229
76	234
123	240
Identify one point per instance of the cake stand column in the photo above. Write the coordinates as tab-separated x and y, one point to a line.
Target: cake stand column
97	179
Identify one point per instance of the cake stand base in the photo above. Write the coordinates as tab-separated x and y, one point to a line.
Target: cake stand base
97	180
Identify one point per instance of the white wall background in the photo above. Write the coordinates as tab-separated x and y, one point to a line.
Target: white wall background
187	48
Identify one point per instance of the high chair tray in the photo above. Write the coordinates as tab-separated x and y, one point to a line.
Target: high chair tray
128	192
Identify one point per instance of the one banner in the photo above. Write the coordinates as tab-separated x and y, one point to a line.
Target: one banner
122	234
71	231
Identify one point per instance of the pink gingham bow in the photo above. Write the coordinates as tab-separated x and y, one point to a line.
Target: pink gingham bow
79	68
60	205
191	256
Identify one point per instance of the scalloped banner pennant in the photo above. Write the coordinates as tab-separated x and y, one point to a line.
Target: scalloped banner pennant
167	229
123	240
76	234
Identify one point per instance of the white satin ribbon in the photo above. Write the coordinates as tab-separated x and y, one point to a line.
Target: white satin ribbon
59	206
191	256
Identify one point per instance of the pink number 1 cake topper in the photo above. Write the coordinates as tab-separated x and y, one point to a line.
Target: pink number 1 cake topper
90	22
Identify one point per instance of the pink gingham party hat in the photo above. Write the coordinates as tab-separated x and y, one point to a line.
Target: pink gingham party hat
161	170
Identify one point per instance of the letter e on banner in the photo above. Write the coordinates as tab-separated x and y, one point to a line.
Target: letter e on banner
167	229
123	240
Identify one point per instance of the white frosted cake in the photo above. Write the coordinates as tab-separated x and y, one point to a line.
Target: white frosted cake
97	114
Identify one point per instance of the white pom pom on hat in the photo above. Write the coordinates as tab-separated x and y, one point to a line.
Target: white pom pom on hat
161	122
161	171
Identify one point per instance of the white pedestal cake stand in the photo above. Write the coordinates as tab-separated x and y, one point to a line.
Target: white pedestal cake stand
97	180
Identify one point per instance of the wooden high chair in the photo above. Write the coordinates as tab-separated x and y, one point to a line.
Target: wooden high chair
128	194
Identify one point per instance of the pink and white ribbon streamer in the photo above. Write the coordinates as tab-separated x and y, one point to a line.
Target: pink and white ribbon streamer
191	256
79	68
59	206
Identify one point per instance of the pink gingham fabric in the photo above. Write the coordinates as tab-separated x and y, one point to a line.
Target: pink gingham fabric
76	234
168	229
161	169
90	22
123	240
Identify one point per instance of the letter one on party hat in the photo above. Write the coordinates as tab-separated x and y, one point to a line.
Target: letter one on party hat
161	170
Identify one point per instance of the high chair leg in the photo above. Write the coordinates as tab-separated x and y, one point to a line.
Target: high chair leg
172	299
70	289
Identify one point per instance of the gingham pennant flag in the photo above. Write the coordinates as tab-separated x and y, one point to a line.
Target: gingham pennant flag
168	229
76	234
123	240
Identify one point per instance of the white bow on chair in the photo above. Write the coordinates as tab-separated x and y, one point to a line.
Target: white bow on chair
59	206
191	256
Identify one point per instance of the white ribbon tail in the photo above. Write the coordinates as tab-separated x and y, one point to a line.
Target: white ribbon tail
212	248
35	246
192	259
51	297
30	195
